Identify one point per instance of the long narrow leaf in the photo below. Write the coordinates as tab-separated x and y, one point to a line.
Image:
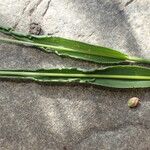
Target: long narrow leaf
70	48
115	76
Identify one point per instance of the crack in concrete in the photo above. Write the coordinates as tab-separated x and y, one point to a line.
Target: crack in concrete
128	3
30	11
35	7
23	11
16	24
25	7
47	7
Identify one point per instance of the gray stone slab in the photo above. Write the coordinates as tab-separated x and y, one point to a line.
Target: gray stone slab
80	117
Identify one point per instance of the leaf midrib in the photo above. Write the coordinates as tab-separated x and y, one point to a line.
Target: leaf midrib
73	75
61	48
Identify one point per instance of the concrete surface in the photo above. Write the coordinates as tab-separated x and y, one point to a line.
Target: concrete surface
73	117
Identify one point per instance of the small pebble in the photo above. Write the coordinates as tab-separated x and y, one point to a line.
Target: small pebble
35	29
133	102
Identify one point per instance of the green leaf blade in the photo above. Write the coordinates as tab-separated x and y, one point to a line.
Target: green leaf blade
67	47
115	76
123	84
71	48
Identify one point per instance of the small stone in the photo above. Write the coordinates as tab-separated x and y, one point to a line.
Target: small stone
35	29
133	102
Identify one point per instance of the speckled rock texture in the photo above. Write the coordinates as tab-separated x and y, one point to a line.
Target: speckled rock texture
37	116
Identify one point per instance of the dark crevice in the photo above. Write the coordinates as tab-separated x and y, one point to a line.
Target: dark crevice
47	7
35	7
16	24
23	11
128	3
25	7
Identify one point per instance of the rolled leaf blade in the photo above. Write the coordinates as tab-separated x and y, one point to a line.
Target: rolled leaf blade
115	76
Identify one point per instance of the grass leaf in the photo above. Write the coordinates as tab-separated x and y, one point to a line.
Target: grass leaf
114	76
71	48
